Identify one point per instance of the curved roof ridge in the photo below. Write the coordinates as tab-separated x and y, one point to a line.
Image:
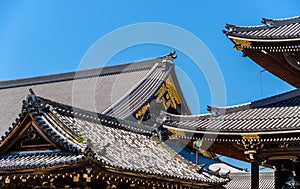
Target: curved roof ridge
279	21
168	117
195	115
232	29
214	111
232	107
282	21
293	18
81	74
64	109
275	98
269	29
238	28
218	111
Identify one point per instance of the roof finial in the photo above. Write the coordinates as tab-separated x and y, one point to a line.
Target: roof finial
172	54
230	27
268	22
31	91
32	100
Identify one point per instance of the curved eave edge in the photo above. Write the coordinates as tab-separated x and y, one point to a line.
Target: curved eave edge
231	133
234	37
267	23
53	165
166	177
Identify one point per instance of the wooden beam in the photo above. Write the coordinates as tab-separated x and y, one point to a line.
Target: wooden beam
254	175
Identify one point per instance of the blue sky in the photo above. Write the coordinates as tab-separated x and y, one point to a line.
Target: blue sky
44	37
51	36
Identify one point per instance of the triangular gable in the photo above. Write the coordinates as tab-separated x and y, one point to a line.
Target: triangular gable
36	130
113	147
27	136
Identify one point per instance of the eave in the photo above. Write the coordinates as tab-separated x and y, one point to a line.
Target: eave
269	54
269	44
271	40
94	170
233	134
106	159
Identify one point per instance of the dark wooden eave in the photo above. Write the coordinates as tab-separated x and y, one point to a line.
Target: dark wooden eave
275	62
267	45
271	124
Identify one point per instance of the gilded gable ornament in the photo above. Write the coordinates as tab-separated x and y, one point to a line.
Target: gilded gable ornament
167	94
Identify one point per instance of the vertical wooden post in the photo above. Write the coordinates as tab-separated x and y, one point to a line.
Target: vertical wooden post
197	156
278	179
254	175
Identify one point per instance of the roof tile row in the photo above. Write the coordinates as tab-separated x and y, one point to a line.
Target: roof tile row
272	29
276	113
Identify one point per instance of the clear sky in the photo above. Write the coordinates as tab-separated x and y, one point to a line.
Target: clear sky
51	36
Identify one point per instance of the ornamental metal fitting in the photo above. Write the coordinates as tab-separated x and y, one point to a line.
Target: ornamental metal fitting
268	22
251	147
32	102
89	153
241	44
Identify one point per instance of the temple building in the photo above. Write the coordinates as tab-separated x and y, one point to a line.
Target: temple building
274	46
98	129
129	126
264	132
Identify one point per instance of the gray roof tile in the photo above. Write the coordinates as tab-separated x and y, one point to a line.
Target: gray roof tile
122	145
271	29
35	160
95	90
266	180
277	113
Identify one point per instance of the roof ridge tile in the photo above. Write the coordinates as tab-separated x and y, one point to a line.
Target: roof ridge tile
275	99
270	29
81	74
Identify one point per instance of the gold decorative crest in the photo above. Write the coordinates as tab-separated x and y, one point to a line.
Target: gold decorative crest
175	133
240	44
167	94
250	137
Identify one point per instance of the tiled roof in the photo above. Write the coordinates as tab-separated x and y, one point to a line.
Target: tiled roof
251	120
288	99
133	151
266	180
276	114
110	89
117	143
224	168
136	98
33	160
271	29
